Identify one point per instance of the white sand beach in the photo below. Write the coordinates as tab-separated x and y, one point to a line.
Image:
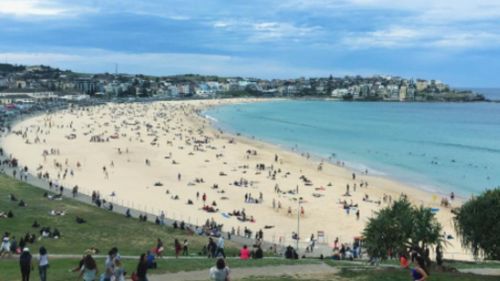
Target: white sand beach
149	154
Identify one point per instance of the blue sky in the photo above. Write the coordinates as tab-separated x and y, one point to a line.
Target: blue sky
456	41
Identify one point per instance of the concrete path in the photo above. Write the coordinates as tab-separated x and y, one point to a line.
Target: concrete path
482	271
239	273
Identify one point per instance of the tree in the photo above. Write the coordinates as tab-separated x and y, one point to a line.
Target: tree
477	223
399	227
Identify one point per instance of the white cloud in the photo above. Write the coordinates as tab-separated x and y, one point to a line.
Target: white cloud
267	31
392	37
439	10
31	9
422	37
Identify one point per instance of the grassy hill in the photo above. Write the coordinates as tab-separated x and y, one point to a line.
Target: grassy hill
103	229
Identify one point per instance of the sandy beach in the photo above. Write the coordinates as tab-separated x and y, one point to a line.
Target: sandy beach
164	156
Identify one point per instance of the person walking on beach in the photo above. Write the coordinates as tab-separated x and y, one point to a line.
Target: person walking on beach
26	265
43	263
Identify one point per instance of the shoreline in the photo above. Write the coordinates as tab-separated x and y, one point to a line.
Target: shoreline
387	174
291	162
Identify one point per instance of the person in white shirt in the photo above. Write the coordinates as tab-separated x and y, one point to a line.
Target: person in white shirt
220	247
43	263
219	272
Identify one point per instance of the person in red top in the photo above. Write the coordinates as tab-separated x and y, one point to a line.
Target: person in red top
244	253
177	247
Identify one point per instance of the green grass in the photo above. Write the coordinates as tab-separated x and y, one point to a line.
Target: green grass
388	274
344	263
455	264
470	265
103	229
377	275
59	269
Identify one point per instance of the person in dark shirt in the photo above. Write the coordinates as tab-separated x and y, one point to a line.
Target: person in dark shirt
142	268
25	264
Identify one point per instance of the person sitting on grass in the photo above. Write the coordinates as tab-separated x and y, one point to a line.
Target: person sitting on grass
150	260
244	253
35	224
10	214
5	247
13	245
159	247
56	234
12	197
45	232
80	220
30	238
219	272
22	203
258	253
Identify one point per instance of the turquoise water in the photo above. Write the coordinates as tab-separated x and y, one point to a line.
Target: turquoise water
436	146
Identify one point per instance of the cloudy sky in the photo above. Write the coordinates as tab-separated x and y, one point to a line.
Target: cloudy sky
457	41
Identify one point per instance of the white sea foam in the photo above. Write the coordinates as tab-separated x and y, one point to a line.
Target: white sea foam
211	118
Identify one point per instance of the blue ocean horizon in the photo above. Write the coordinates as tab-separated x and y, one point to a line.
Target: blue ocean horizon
440	147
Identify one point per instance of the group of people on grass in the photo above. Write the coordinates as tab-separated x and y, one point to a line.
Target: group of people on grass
26	264
9	245
113	267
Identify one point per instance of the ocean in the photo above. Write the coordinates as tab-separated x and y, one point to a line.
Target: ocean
440	147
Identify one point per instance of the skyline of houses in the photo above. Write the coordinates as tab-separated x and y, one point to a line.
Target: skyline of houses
18	79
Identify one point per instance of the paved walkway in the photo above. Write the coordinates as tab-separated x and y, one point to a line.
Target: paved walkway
239	273
482	271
